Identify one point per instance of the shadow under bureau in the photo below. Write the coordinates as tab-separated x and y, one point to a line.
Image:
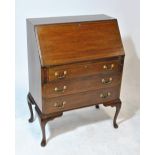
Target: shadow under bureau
73	62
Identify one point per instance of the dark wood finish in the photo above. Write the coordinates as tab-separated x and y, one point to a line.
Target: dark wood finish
30	103
34	65
83	99
77	85
73	62
43	118
80	41
69	19
97	106
117	103
84	69
118	107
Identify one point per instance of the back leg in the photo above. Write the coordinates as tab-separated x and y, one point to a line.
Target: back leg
30	108
97	106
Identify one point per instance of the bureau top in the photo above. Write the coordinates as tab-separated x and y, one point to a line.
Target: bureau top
68	19
62	40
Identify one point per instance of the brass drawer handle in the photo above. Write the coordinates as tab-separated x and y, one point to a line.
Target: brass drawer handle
108	67
56	89
60	76
105	95
108	81
59	105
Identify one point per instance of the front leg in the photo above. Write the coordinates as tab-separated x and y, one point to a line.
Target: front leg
30	108
43	124
118	107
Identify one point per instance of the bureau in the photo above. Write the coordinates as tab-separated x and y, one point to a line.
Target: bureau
73	62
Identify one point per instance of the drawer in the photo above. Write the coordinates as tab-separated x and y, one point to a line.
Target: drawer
69	102
84	69
82	84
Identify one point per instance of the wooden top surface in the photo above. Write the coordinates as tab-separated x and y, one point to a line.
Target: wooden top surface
68	19
74	39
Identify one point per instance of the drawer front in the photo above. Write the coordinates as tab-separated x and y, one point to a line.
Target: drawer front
69	102
84	69
66	87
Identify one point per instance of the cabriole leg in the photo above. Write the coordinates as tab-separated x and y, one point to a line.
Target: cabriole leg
30	108
118	107
43	124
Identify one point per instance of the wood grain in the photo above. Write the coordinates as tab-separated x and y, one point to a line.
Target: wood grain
78	85
83	55
80	100
85	68
74	42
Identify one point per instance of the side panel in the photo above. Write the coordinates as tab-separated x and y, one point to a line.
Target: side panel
34	66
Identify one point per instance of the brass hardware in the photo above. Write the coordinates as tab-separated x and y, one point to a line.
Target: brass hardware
105	95
60	76
60	89
107	81
59	105
107	67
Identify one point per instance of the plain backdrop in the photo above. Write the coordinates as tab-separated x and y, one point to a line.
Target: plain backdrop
127	13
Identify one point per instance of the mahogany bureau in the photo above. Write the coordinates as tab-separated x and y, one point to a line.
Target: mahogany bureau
73	62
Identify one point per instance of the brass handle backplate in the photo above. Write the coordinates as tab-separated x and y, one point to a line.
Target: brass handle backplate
107	81
61	90
60	75
105	95
108	67
59	105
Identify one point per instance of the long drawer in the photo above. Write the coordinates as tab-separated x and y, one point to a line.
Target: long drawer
66	87
79	100
84	69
